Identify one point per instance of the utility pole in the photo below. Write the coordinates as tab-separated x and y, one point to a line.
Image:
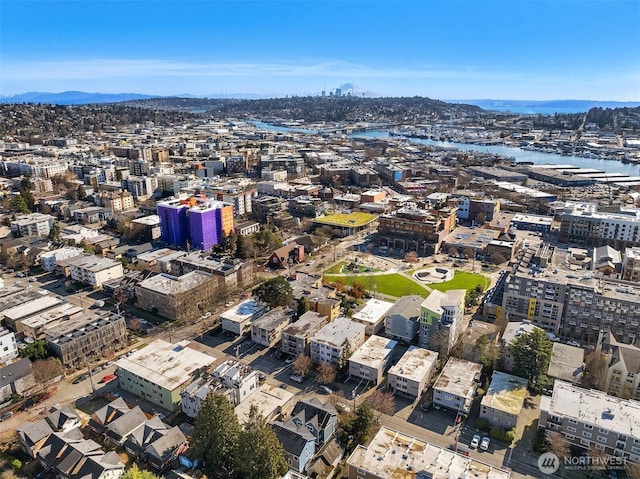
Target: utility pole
93	387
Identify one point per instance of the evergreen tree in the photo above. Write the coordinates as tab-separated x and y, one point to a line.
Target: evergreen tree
215	436
260	454
19	205
343	360
275	291
303	307
82	194
531	354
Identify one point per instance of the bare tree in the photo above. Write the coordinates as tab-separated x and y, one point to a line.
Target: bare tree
598	459
558	444
326	373
453	251
633	470
45	371
302	365
135	325
382	401
595	376
468	253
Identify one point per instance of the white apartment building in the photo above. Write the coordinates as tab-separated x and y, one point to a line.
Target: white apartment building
371	359
593	419
238	319
48	259
372	315
267	330
327	345
95	270
456	386
8	346
411	374
32	224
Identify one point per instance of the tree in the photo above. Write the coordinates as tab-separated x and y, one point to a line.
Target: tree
356	429
19	205
531	354
595	374
302	365
468	253
54	232
275	291
215	436
260	453
36	350
358	291
303	307
557	443
490	355
46	370
345	354
497	258
453	251
383	401
136	473
82	194
326	373
480	218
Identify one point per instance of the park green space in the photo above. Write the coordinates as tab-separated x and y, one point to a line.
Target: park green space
392	284
463	280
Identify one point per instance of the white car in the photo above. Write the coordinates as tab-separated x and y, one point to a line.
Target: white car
290	359
484	444
296	378
325	390
475	441
573	343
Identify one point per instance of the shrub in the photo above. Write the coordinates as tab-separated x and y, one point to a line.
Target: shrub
482	424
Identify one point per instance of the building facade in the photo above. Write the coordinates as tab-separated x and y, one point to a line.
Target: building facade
411	374
330	343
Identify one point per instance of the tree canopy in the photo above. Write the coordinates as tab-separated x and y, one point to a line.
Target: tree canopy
531	354
215	436
36	350
136	473
275	291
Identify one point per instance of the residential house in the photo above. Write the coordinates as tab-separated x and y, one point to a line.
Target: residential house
297	441
623	366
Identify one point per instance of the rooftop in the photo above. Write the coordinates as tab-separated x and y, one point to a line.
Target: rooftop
269	400
506	393
393	454
31	307
307	324
243	311
414	364
567	362
167	284
167	365
374	352
593	407
94	263
337	331
373	311
458	377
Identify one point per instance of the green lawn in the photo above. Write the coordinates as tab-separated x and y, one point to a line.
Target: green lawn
462	280
390	284
336	268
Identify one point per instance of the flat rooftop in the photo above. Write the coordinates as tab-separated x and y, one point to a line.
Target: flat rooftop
151	220
31	307
167	365
307	324
168	284
567	363
334	333
94	263
415	364
393	454
244	311
374	352
618	415
269	399
458	377
155	255
506	393
373	311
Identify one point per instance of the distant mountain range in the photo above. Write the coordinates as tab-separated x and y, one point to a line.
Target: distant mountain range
73	97
546	106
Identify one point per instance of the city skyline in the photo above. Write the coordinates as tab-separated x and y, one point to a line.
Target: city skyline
525	50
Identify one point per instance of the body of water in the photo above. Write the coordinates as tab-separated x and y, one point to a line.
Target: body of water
535	157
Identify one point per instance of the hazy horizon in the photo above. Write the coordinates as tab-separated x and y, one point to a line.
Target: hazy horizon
443	49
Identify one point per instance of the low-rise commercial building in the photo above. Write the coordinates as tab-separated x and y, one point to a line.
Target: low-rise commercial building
328	345
456	386
161	371
371	360
238	319
84	339
411	374
372	315
593	419
267	329
296	337
393	453
30	306
503	402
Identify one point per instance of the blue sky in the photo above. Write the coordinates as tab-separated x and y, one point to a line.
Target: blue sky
446	49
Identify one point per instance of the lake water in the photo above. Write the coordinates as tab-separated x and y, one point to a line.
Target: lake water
535	157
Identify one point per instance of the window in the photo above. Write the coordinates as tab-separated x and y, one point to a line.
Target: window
586	434
571	429
602	439
588	426
573	421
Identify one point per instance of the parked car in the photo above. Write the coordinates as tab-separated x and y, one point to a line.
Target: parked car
325	390
484	444
79	379
107	378
96	370
290	359
427	406
475	441
296	378
573	343
6	415
43	397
